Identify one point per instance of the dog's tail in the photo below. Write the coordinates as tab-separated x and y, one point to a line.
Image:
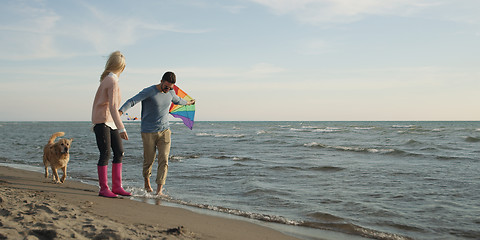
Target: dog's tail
55	135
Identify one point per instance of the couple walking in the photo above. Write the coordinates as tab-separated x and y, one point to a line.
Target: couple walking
109	129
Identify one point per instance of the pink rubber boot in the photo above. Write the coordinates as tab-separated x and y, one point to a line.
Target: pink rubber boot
117	180
103	181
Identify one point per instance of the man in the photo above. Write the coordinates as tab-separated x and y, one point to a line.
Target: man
156	134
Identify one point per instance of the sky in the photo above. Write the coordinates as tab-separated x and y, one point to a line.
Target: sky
247	60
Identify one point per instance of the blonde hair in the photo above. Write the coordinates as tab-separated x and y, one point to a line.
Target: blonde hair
115	63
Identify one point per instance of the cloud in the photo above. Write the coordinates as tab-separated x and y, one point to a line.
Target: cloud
127	30
34	30
28	31
343	11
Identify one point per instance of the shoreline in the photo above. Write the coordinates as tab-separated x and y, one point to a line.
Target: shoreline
31	205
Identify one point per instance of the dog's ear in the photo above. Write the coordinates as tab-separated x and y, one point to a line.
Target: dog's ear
71	139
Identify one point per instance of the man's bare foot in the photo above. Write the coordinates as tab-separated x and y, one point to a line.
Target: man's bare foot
160	191
148	188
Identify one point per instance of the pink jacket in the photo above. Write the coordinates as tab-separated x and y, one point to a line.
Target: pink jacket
107	102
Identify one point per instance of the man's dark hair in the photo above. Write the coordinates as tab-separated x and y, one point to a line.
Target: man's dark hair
169	77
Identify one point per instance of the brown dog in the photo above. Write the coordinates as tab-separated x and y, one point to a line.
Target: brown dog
56	154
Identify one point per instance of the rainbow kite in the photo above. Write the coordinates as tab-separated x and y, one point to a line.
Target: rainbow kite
131	118
187	112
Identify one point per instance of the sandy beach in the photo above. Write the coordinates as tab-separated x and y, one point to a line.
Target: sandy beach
34	208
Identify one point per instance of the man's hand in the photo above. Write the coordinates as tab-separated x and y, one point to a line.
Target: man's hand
191	102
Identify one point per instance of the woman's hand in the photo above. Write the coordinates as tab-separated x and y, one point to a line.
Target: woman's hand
124	135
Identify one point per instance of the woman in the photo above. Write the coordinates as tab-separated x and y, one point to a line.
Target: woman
108	126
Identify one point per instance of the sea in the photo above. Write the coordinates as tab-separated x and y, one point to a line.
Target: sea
312	180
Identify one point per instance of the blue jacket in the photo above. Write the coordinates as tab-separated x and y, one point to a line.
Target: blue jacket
155	106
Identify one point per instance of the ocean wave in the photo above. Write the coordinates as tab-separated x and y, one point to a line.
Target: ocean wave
446	158
275	141
403	126
402	153
327	169
327	130
300	130
472	139
404	227
234	158
325	217
220	135
363	128
262	192
282	168
236	212
242	159
239	165
412	142
454	158
353	229
309	127
429	149
261	132
176	158
203	134
321	168
353	149
315	129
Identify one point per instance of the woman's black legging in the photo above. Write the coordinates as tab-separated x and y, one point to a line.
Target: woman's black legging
106	138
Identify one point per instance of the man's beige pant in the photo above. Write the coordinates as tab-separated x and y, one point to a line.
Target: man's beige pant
152	142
